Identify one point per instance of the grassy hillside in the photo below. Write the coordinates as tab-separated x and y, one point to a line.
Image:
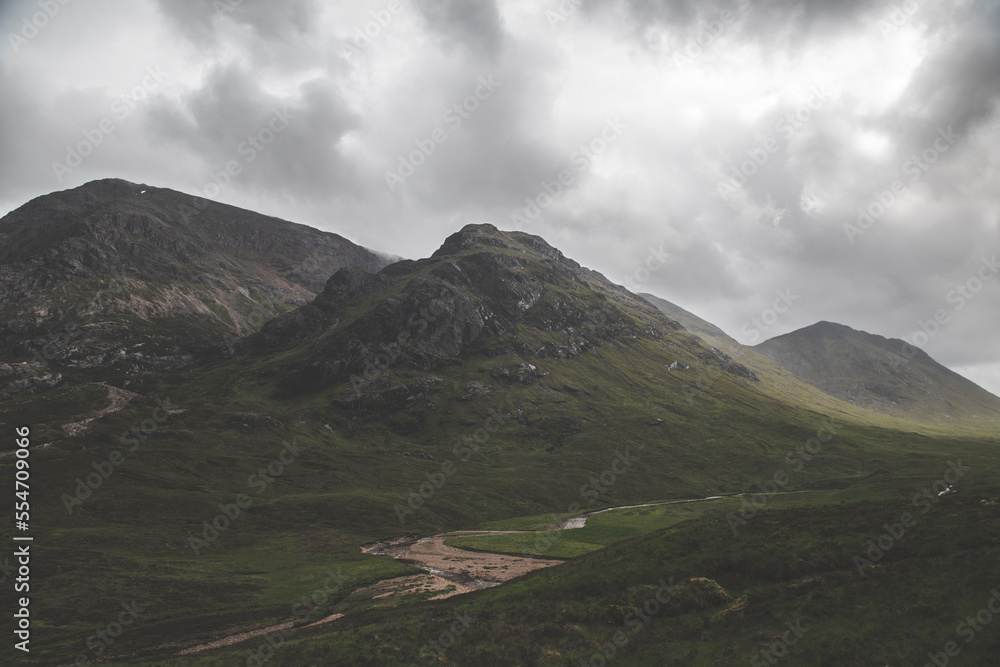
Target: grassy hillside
843	371
698	594
344	489
218	499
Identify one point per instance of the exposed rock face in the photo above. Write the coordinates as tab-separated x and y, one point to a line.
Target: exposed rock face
134	279
483	291
126	276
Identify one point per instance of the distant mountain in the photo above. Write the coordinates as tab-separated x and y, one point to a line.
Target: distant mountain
116	274
702	328
862	369
881	374
775	380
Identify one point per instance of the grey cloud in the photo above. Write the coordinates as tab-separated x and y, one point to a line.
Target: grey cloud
349	120
24	168
475	25
959	87
306	158
792	22
198	20
282	143
216	117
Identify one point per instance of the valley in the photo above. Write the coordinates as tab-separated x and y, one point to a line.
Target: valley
350	466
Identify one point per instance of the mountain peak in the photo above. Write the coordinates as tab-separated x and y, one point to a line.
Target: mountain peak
883	374
484	236
102	190
826	329
473	236
112	186
152	271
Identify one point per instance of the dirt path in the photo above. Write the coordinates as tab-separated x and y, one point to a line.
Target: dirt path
467	570
118	399
628	507
473	570
235	639
450	570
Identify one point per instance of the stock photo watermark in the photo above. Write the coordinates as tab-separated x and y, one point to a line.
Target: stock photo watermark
132	439
416	324
103	639
795	459
32	25
786	126
924	500
433	651
757	325
562	13
365	35
453	118
968	629
636	620
898	16
780	648
464	449
258	481
958	298
655	261
60	342
581	159
246	152
121	109
308	604
915	168
708	34
592	491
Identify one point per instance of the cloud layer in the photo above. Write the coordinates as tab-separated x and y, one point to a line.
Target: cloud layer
846	151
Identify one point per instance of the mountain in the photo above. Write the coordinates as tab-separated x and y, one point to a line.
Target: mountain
882	374
120	275
776	381
483	292
702	328
495	385
865	370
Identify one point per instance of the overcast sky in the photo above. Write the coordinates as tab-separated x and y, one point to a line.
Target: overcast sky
725	145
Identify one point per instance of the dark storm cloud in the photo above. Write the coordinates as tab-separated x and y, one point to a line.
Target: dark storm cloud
307	157
899	80
476	25
198	20
495	154
793	21
961	85
289	144
213	119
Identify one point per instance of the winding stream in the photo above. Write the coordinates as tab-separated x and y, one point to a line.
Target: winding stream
474	570
450	570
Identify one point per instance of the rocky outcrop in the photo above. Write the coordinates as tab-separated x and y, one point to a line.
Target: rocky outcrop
138	279
483	291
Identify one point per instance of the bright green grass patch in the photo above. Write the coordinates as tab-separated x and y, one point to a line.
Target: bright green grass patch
734	595
600	530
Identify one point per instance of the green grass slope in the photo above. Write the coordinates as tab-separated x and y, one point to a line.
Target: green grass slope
844	371
218	498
